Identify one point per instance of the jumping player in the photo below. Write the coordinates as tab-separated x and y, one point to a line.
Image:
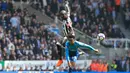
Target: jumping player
71	50
66	20
67	28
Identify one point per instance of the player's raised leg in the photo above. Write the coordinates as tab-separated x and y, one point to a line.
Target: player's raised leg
60	48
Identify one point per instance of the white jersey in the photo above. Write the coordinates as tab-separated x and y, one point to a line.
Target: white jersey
67	26
67	23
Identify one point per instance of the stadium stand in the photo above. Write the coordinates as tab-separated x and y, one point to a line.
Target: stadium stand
24	37
91	16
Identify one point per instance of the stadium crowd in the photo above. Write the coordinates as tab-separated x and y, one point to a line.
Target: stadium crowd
119	64
22	37
92	16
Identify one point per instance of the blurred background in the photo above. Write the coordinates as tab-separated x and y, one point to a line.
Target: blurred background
30	28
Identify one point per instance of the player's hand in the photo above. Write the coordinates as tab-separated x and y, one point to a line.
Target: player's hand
66	2
96	50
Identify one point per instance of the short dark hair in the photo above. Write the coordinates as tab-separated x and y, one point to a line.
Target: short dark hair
71	35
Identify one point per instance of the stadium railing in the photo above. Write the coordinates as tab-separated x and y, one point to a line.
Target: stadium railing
114	43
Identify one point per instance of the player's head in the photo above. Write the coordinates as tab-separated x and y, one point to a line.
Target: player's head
71	38
63	14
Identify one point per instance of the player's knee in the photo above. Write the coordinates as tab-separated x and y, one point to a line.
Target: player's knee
73	64
69	63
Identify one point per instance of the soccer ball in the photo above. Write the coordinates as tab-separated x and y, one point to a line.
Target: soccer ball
100	36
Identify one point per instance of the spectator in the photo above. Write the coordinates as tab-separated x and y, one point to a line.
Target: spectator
54	7
117	2
84	70
15	22
48	10
93	66
10	45
118	61
4	5
105	66
128	56
12	55
122	64
100	66
78	69
127	66
126	16
113	66
21	69
10	6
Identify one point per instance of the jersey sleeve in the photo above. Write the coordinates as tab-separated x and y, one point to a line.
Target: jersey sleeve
83	45
67	9
67	51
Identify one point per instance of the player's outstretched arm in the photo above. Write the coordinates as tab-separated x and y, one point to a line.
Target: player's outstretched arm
83	45
67	7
